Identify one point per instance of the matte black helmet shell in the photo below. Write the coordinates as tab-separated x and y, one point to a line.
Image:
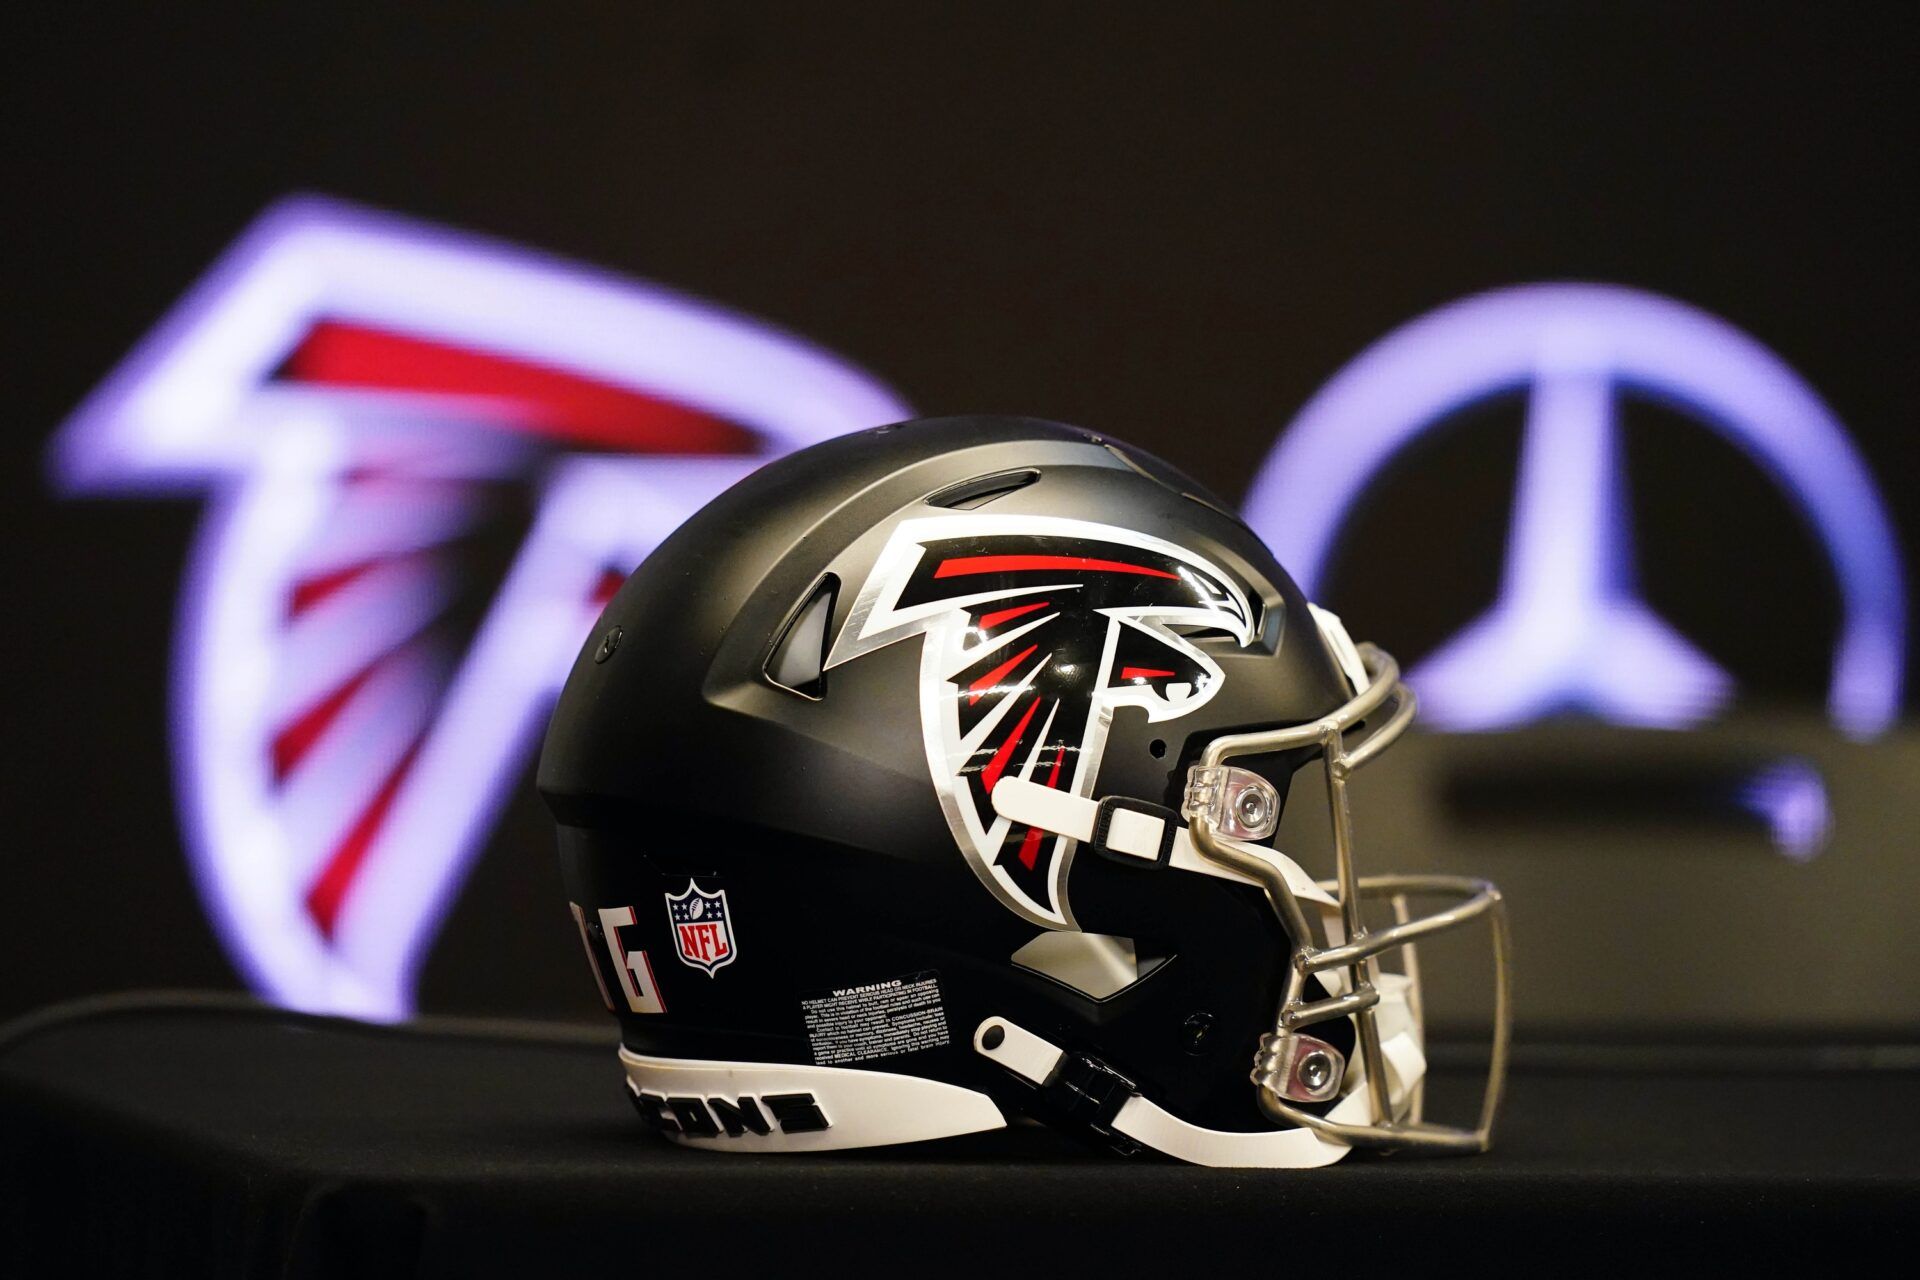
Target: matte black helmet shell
715	737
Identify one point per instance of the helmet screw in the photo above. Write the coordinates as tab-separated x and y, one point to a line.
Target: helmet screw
1196	1031
1253	809
608	643
1315	1071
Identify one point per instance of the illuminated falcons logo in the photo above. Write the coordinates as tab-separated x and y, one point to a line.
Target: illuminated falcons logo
1035	630
430	459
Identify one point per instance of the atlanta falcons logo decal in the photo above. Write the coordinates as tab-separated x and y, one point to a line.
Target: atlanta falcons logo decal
1035	629
429	460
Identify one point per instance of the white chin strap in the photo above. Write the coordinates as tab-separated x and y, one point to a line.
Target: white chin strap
1040	1062
1138	835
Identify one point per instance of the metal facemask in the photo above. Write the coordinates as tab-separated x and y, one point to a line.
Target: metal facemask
1377	1100
1291	1066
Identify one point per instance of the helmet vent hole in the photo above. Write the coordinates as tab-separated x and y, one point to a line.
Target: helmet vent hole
1157	748
1094	964
798	661
979	491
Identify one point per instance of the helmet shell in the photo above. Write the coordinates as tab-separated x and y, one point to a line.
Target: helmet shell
674	760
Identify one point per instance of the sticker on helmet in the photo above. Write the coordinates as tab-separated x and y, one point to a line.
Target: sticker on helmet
702	929
746	1114
632	968
1035	629
876	1020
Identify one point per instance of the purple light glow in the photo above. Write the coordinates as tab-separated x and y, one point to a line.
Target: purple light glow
307	481
1791	798
1569	630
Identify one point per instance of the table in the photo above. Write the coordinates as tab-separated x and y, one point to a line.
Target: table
205	1135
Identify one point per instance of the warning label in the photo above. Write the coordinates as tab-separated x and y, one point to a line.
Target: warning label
876	1020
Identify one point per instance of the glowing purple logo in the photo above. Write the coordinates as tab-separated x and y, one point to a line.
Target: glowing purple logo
370	404
1569	630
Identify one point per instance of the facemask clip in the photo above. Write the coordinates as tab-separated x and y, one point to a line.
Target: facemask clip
1236	802
1299	1067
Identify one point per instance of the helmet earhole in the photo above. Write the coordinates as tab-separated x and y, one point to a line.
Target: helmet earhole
1157	748
1195	1032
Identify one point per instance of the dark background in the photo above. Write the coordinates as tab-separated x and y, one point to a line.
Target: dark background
1172	223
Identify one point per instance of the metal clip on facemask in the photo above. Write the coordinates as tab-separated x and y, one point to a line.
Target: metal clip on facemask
1299	1067
1238	802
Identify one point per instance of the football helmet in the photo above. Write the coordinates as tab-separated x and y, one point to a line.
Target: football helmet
930	777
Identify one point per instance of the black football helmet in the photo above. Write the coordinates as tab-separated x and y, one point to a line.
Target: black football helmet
930	777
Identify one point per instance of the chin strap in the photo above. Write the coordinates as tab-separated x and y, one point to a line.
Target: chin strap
1134	832
1112	1107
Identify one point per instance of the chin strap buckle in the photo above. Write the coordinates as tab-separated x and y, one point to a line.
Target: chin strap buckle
1089	1092
1135	832
1080	1089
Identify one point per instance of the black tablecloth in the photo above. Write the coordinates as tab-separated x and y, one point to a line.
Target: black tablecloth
195	1138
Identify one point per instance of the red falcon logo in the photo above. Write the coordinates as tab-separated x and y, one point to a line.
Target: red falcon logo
1035	630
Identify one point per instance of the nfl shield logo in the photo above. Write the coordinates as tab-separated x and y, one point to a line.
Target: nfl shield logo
702	933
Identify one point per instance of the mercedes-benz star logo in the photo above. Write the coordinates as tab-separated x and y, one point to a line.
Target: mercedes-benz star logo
1569	630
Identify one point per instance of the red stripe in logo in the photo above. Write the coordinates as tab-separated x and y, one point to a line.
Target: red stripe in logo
965	566
978	688
998	765
328	892
989	621
543	399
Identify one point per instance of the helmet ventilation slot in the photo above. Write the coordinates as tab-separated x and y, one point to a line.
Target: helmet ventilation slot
798	661
969	495
1094	964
